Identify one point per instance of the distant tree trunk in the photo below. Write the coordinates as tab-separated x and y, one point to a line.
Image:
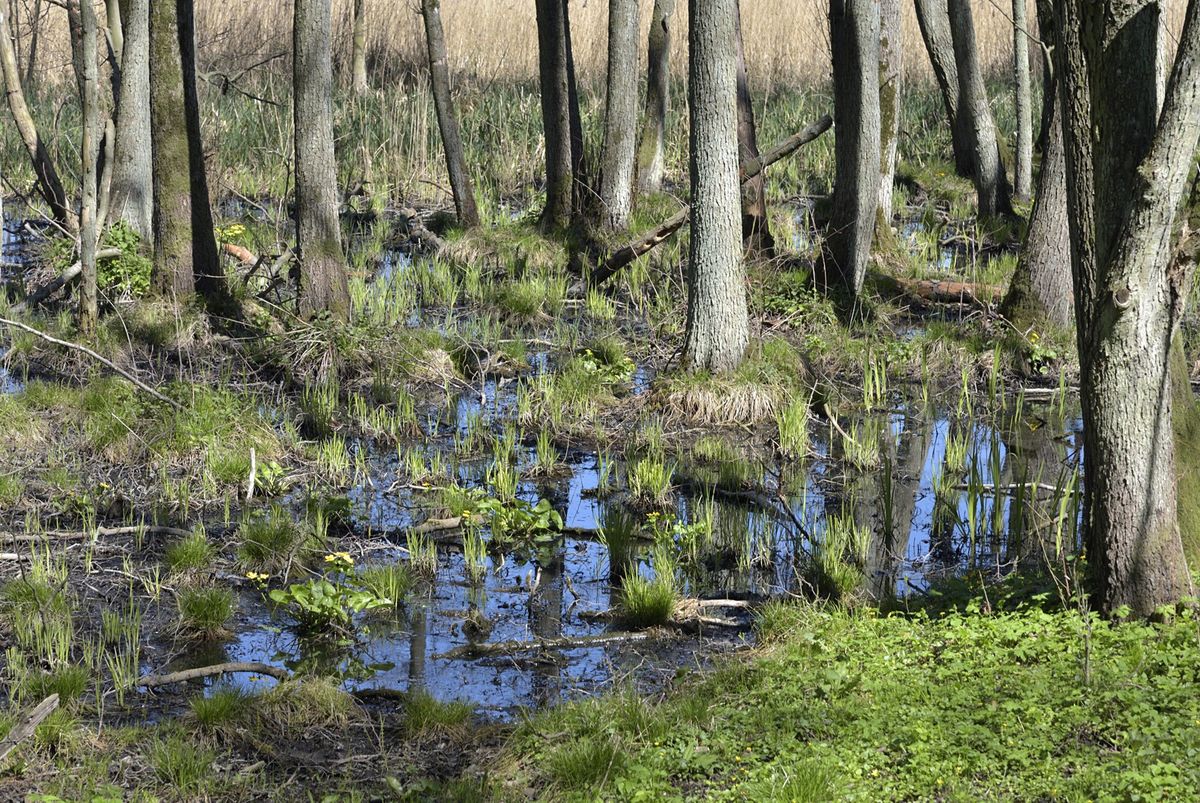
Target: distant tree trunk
556	115
854	38
1023	171
114	28
991	182
132	194
439	80
89	313
756	228
891	50
49	185
323	286
582	193
650	165
620	115
718	326
358	54
1127	168
34	37
934	21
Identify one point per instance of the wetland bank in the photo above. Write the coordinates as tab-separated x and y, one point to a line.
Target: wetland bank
453	519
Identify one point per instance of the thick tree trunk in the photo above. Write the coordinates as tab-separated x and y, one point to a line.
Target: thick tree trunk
323	286
934	21
718	327
1023	170
89	313
891	49
132	194
1127	167
756	228
854	38
439	80
358	50
620	115
650	166
991	182
556	115
49	185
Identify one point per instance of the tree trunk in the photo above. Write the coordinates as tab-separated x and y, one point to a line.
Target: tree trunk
756	228
582	193
1127	167
934	21
88	306
323	286
34	37
49	185
650	165
358	55
890	78
556	116
854	38
620	115
439	80
1023	170
132	194
991	182
718	327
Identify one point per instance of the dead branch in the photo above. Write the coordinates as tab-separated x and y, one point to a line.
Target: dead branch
27	726
563	643
67	276
99	532
150	681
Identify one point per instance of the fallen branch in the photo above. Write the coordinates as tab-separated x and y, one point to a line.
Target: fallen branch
240	253
937	291
750	170
150	681
85	350
99	532
563	643
27	726
56	284
418	232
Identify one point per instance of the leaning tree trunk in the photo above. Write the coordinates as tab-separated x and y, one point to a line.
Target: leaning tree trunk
89	311
358	50
132	193
650	165
890	77
1127	167
854	39
620	115
991	182
323	286
556	115
718	325
49	185
439	80
1023	170
934	22
756	228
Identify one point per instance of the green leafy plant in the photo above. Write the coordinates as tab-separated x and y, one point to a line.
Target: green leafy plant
326	606
127	274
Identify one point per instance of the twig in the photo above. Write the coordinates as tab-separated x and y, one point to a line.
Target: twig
150	681
85	350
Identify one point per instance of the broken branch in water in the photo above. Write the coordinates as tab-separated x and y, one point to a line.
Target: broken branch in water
150	681
620	258
85	350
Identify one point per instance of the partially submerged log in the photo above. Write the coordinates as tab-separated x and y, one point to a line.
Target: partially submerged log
939	291
254	667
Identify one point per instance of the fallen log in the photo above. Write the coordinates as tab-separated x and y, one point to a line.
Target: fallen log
241	254
485	650
150	681
749	170
26	727
56	284
939	291
99	532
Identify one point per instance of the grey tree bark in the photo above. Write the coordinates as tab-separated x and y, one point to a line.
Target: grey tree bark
443	100
556	116
620	115
1023	169
718	324
132	193
933	19
323	285
1127	168
49	184
89	313
756	227
650	165
854	39
358	50
891	50
979	129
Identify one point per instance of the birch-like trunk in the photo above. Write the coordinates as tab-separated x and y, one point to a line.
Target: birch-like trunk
323	284
358	50
89	310
718	327
650	165
132	193
620	115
